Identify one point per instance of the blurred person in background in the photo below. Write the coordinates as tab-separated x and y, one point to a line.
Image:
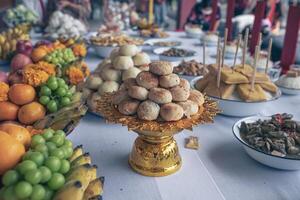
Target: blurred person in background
201	15
160	12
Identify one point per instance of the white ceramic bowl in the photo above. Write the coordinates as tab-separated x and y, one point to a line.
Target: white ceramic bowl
193	34
103	51
262	157
238	108
289	91
158	52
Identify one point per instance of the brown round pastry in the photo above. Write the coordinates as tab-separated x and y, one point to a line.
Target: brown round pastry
147	80
120	96
128	50
128	107
141	59
185	84
108	86
129	82
196	97
138	92
160	95
148	110
171	112
132	72
161	67
189	107
179	93
169	81
110	74
144	68
123	62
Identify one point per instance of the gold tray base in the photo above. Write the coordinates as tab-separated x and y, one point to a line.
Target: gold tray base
155	155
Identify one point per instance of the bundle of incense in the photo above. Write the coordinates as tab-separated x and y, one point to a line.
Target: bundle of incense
269	54
219	67
245	47
224	45
237	49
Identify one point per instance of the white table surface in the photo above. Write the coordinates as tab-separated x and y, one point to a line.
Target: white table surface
220	169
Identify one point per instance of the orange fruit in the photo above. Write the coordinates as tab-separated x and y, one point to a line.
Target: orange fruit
21	94
30	113
11	152
18	132
8	111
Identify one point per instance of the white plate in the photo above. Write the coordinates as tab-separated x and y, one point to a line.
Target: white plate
289	91
238	108
262	157
158	52
190	34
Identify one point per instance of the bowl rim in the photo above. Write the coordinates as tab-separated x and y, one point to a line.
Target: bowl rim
248	145
275	97
292	89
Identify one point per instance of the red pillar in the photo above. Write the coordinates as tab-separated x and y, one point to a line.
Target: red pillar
259	15
213	14
229	15
288	54
184	9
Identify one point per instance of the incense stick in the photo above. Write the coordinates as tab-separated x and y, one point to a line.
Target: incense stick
224	45
245	47
237	49
218	46
256	53
219	67
269	55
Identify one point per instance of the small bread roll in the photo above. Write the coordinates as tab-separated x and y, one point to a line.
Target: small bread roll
93	82
92	101
123	62
110	74
120	96
185	84
130	73
179	93
138	92
144	68
114	53
161	67
102	64
171	112
147	80
86	93
128	50
189	107
141	59
169	81
160	95
128	107
129	82
148	110
196	97
108	86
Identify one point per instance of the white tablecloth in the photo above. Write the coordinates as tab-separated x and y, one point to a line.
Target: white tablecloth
220	169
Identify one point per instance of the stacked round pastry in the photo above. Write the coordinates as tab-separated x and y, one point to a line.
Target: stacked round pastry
158	94
124	63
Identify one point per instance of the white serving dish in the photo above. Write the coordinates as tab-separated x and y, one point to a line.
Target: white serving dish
103	51
262	157
193	34
289	91
158	52
238	108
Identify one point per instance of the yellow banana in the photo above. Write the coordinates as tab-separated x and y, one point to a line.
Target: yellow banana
83	173
71	190
81	160
78	151
95	188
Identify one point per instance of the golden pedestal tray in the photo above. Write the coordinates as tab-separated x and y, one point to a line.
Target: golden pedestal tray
155	152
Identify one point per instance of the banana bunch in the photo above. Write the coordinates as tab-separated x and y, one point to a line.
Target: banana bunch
9	39
81	181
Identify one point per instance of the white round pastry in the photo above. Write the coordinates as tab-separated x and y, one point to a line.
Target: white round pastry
114	53
196	97
141	59
161	67
148	110
108	86
171	112
123	62
169	81
179	93
130	73
128	107
189	107
185	84
86	93
93	82
160	95
289	82
110	74
147	80
144	68
138	92
128	50
120	96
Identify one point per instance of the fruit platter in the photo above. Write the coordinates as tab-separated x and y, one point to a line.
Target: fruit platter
19	15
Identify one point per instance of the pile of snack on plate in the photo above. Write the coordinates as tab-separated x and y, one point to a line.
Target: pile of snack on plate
191	68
